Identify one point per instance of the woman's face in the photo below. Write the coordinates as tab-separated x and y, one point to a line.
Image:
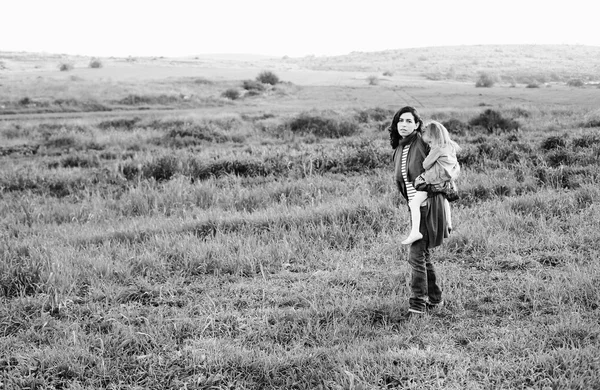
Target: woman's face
407	124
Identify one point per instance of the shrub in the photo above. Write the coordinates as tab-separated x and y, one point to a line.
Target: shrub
376	114
65	67
95	63
533	84
192	134
247	168
469	156
80	161
478	193
231	94
122	123
373	80
586	141
322	126
492	120
575	83
252	85
130	170
62	141
267	77
150	99
485	80
388	73
184	126
496	150
86	105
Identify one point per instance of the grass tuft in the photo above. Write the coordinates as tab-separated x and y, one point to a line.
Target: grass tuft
21	273
554	142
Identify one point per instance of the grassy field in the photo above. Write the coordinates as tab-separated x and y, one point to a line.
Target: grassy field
156	234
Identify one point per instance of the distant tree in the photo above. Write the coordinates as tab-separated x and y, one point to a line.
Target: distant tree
65	67
485	80
575	83
95	63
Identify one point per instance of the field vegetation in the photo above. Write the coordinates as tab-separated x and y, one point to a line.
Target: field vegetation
158	235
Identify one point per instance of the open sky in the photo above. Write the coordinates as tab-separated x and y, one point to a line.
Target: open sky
278	27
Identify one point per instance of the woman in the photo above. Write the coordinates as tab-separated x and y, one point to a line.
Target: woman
409	152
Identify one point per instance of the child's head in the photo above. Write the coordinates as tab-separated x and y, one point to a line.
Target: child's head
435	134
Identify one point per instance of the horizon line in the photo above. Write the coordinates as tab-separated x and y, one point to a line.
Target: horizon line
266	56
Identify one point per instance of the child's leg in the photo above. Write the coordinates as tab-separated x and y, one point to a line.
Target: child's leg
448	214
415	217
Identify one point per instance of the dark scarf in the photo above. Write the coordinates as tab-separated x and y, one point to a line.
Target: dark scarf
408	139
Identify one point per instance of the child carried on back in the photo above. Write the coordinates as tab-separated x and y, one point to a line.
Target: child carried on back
441	170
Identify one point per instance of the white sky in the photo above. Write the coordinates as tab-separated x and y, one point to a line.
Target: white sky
279	27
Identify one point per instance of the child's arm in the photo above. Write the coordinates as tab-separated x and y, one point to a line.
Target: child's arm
432	157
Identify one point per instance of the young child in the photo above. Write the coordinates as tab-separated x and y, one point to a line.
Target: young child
441	169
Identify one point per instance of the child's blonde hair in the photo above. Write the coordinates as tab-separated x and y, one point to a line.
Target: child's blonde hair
439	135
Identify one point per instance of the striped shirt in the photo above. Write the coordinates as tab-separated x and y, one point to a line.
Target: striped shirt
410	190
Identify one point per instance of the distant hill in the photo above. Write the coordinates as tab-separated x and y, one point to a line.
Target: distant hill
509	63
506	63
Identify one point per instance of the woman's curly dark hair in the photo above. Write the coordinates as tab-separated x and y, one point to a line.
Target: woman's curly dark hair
393	129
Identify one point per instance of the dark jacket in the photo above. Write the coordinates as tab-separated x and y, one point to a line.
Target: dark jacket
436	214
416	155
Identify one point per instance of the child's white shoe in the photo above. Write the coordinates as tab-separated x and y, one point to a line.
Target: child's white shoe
412	238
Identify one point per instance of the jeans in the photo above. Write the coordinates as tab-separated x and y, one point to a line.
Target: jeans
423	280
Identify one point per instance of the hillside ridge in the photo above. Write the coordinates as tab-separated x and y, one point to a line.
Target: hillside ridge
507	63
518	63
